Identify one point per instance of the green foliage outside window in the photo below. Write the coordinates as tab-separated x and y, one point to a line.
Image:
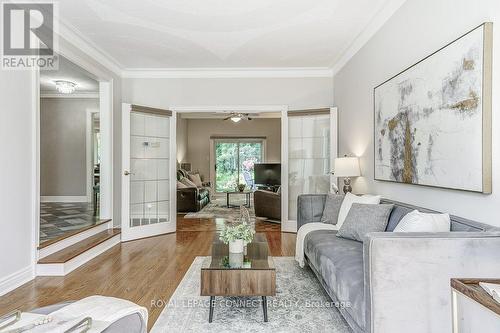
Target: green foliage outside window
235	163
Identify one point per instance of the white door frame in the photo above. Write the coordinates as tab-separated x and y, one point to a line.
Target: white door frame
90	152
286	226
106	128
132	233
334	143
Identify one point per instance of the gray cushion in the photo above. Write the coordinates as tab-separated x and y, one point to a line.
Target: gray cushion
332	208
398	212
363	219
339	261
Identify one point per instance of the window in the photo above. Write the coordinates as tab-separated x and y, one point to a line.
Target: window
234	162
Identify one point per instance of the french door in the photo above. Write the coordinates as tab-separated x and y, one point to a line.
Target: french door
312	147
146	156
234	162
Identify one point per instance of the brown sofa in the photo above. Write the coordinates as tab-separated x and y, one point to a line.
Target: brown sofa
267	204
191	199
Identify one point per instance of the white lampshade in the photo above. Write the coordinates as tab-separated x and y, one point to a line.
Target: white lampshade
346	167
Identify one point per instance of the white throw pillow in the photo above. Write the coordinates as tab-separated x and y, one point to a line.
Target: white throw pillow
349	199
416	221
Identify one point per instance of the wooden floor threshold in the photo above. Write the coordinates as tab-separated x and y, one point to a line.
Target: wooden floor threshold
71	233
76	249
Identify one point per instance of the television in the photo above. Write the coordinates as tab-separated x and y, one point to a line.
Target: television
267	174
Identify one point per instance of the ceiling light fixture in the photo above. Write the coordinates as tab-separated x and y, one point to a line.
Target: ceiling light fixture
236	118
65	87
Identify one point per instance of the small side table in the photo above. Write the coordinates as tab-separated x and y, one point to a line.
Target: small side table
473	309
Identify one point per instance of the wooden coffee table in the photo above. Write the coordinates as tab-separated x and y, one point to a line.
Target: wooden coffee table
228	274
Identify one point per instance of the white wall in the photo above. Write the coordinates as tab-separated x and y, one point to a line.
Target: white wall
295	92
16	189
417	29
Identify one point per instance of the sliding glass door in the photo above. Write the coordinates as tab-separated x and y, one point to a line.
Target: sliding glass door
234	162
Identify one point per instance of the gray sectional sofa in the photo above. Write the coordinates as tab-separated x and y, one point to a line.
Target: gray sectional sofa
398	282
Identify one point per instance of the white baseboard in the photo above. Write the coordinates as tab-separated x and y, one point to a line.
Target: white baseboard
16	280
65	268
63	198
290	226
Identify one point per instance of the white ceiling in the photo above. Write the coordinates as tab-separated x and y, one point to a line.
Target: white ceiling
152	34
67	71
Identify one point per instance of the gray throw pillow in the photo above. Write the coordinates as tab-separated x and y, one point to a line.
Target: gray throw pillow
332	208
363	219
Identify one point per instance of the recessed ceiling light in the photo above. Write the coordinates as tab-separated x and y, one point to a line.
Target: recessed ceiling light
65	87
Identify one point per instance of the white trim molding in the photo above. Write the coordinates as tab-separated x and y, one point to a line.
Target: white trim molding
61	269
66	242
63	198
75	37
386	11
244	72
16	279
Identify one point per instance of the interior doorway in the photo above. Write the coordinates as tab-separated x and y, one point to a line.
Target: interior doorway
220	147
73	155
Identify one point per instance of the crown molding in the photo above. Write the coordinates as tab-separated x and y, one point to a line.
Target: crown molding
382	16
74	95
77	39
270	72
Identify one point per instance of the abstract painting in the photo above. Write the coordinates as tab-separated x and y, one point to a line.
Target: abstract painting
433	120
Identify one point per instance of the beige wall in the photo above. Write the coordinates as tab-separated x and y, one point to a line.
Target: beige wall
63	145
200	130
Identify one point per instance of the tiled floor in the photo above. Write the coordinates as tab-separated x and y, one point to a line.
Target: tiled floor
58	218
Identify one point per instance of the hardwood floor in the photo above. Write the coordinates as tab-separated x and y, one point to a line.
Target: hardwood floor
141	271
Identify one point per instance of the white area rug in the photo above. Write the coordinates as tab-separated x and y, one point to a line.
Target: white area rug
217	208
300	305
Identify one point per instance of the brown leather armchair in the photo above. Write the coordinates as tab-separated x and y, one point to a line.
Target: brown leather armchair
267	204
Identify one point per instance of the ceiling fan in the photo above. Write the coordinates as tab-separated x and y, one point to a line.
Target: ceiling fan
237	116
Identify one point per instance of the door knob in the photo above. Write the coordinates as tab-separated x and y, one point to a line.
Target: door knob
126	172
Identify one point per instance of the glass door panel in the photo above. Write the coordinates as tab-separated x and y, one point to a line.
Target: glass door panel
249	154
309	158
149	169
226	166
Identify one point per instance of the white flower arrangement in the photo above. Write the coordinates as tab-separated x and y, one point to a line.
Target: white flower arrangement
242	231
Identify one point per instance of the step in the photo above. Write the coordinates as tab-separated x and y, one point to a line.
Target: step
57	244
66	260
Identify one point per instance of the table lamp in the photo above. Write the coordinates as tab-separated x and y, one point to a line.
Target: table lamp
346	167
